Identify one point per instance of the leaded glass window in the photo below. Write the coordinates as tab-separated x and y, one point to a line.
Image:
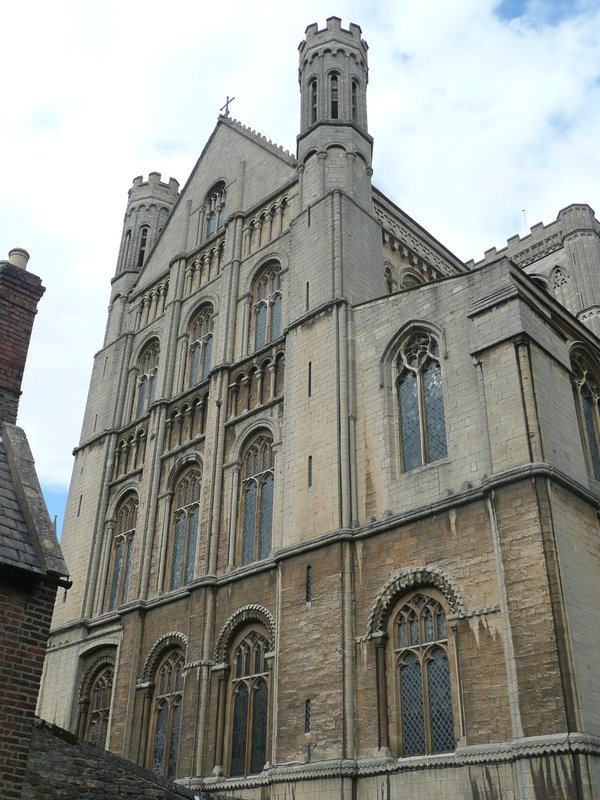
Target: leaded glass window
426	721
587	395
200	346
184	529
99	706
122	553
257	500
266	309
215	210
167	703
250	703
146	381
421	402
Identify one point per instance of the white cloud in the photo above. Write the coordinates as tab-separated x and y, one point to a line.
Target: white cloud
474	117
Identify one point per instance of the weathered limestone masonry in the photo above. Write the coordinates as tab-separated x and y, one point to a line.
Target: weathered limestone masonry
333	517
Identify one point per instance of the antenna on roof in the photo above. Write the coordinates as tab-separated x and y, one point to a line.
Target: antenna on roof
525	220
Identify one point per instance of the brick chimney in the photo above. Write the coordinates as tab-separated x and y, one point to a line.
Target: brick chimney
20	292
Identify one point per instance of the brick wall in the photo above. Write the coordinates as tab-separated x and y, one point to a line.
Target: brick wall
25	612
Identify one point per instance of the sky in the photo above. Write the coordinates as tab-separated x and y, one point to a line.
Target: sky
485	116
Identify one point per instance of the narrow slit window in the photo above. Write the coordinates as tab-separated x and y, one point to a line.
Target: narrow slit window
310	378
310	472
313	101
307	717
334	96
308	594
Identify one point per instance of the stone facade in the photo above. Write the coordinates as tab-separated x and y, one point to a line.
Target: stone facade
310	432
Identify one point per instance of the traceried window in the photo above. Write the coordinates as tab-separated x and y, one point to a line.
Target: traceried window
98	710
421	401
422	677
334	97
214	210
249	705
200	346
122	553
587	394
166	720
258	463
184	529
266	309
146	381
143	244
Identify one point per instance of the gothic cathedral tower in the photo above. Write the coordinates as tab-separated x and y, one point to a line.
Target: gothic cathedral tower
332	523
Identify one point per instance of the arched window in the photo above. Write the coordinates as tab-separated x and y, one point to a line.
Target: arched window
312	90
184	529
200	346
422	677
214	210
99	706
126	247
249	693
143	243
587	396
166	715
258	463
420	401
334	95
354	100
146	381
122	553
266	310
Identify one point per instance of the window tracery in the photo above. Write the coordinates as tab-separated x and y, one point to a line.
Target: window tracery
422	682
122	553
97	701
215	210
249	701
146	381
420	401
166	715
200	346
587	395
184	529
258	464
266	307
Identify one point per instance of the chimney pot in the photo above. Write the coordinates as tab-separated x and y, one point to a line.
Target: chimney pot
18	257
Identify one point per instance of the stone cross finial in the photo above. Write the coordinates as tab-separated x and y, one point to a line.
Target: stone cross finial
226	106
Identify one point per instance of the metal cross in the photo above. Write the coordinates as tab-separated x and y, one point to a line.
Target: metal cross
226	106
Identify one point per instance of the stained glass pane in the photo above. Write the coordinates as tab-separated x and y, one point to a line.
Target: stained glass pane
588	415
414	629
190	550
207	357
239	731
411	694
249	524
174	743
440	703
409	421
116	575
441	625
127	570
275	317
141	403
266	517
258	752
160	740
434	412
402	633
194	364
210	224
260	336
177	557
428	626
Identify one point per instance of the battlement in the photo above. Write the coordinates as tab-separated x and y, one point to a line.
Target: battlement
333	32
154	188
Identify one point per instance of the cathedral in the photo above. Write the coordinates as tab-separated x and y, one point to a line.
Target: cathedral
333	521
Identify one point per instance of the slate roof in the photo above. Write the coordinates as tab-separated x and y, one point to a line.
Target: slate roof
16	548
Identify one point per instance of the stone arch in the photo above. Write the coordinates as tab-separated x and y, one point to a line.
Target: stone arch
169	641
95	660
405	580
131	486
251	429
181	465
243	616
388	357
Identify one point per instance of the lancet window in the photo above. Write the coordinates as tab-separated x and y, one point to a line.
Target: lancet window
266	308
422	677
166	715
200	346
98	702
249	702
215	210
312	92
258	464
420	401
334	98
587	396
143	244
146	381
184	529
122	553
